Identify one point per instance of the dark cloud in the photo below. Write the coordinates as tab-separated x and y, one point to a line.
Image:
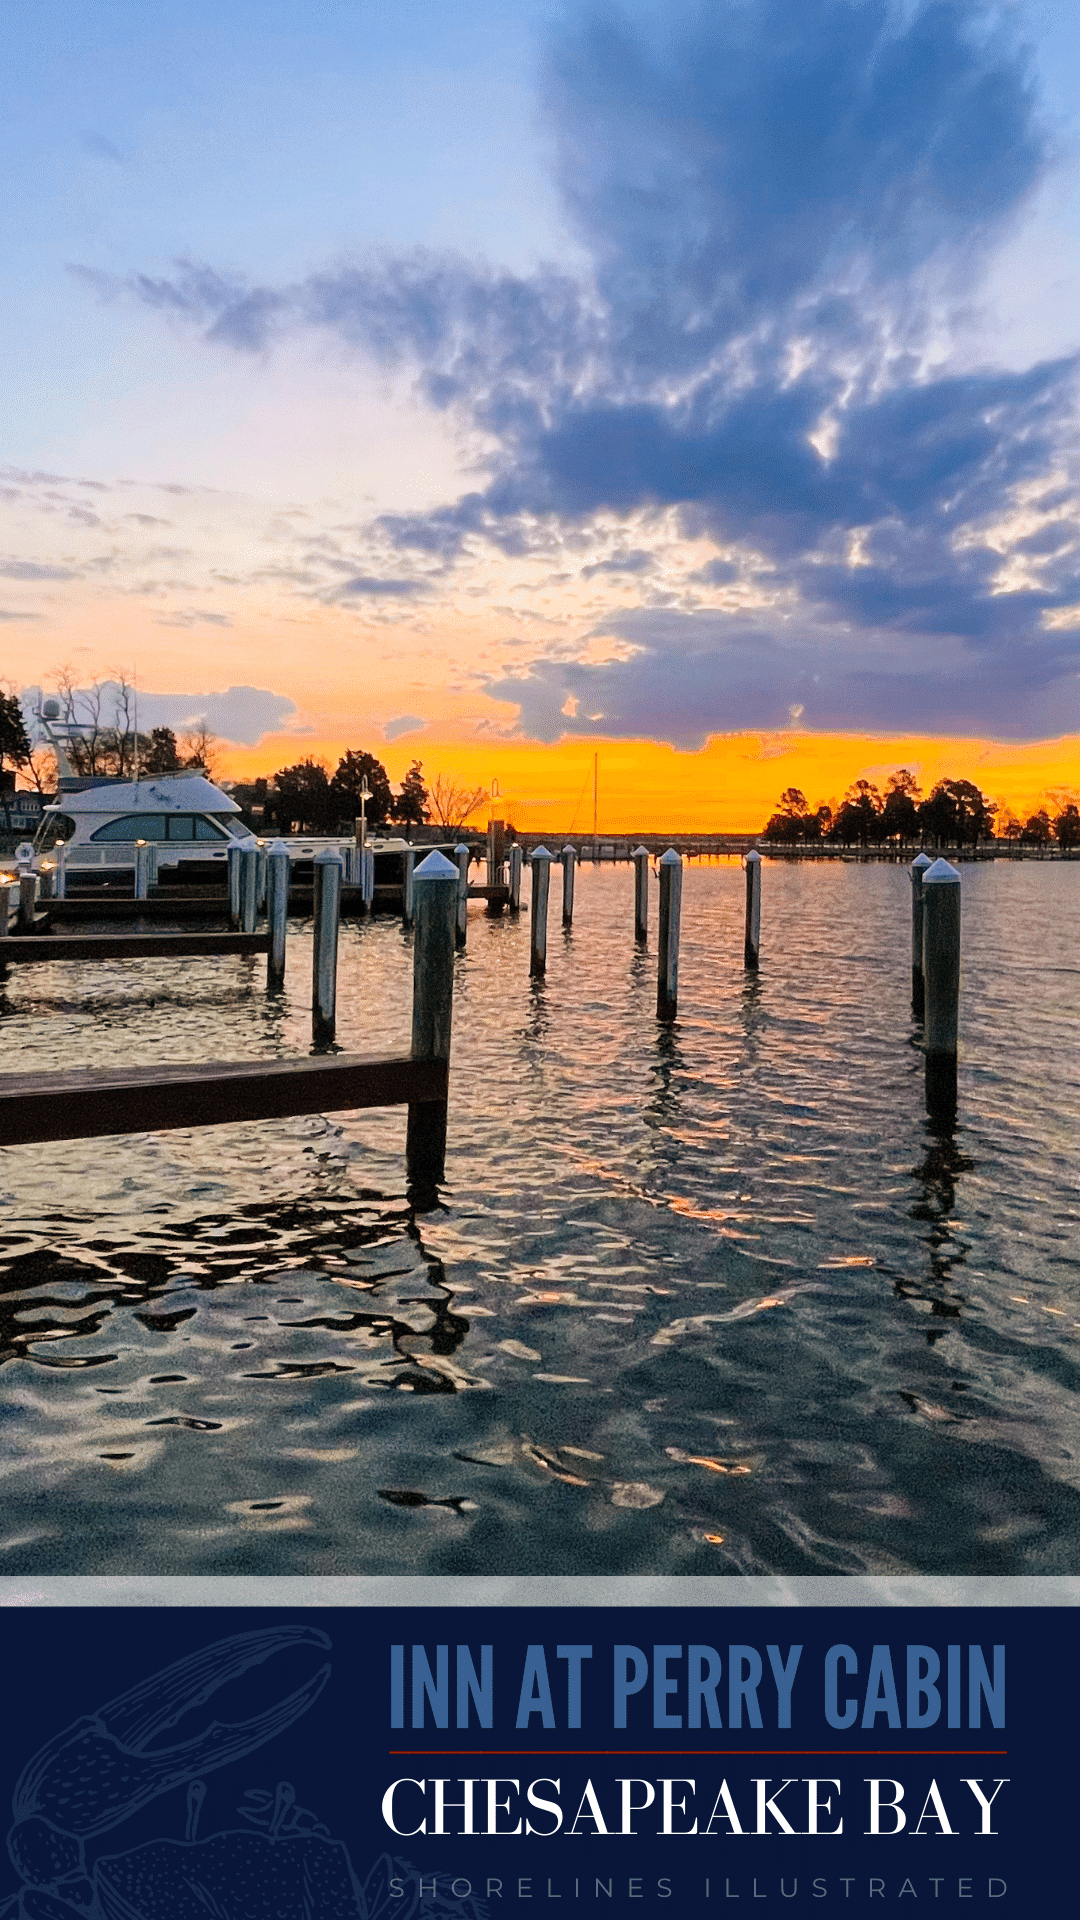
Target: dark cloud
33	570
634	560
192	617
779	202
97	144
370	586
404	723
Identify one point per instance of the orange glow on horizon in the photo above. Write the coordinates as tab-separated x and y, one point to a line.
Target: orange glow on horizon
731	786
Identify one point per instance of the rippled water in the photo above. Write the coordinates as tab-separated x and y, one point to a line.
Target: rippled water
714	1298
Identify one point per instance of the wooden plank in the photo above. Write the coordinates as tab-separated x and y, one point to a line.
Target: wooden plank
82	1103
128	946
77	909
499	896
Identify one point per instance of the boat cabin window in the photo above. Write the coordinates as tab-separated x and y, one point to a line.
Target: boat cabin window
54	829
160	826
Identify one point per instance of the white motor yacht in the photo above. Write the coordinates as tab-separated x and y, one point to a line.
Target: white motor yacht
99	823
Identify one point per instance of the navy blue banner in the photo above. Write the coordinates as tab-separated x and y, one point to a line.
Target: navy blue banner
390	1764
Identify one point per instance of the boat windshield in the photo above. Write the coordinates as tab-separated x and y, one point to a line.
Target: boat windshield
54	829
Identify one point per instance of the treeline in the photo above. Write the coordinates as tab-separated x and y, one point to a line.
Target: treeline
308	798
954	814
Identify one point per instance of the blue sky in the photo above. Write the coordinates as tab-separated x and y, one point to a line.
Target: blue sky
548	371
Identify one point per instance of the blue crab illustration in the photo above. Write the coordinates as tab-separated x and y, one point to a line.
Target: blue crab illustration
102	1769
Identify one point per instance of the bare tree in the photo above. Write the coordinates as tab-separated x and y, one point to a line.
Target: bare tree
199	749
452	804
42	769
125	745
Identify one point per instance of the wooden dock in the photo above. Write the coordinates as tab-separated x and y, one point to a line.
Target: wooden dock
189	903
39	947
82	1103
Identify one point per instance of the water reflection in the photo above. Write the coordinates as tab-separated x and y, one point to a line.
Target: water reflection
661	1253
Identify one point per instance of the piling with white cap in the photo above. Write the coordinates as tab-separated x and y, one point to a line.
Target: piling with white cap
260	890
408	876
277	909
941	973
232	861
435	905
919	867
249	889
367	877
324	957
640	857
752	936
461	855
540	864
569	866
515	878
60	876
142	869
667	971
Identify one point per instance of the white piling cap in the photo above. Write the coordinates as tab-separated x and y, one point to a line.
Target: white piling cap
321	859
922	861
638	850
569	848
753	854
540	853
462	847
940	874
435	867
277	846
671	858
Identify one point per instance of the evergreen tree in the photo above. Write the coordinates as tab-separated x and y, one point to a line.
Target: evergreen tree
345	788
14	739
410	805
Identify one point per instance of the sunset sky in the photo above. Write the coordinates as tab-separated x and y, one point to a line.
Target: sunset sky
500	383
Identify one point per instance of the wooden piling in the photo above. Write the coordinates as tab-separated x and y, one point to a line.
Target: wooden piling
514	857
327	911
941	902
249	889
667	972
540	864
919	867
27	910
232	861
640	857
142	870
408	878
260	887
569	865
752	936
435	908
60	876
367	877
461	924
277	909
